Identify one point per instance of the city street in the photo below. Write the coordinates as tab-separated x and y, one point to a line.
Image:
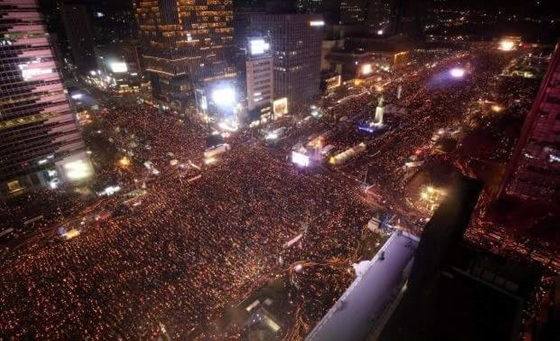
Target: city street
182	239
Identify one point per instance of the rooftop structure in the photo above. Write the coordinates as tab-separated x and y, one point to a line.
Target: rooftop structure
534	169
365	301
456	291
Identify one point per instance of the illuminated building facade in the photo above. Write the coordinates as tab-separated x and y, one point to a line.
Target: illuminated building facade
40	144
260	79
534	169
184	42
296	41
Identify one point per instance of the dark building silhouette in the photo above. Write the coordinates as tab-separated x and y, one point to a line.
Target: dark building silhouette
353	12
407	17
378	15
455	290
79	33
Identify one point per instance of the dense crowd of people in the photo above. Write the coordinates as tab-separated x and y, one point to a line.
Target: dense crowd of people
199	240
187	250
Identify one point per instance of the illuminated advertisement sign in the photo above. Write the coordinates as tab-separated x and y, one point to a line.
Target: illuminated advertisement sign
280	106
317	23
367	69
78	169
300	159
118	67
224	97
258	46
334	82
30	73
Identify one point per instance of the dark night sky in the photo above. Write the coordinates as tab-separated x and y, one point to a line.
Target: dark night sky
515	6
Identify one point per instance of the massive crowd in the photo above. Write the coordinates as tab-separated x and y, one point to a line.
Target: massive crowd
174	262
187	250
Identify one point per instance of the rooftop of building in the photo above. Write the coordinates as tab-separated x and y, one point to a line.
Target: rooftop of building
457	306
457	291
363	303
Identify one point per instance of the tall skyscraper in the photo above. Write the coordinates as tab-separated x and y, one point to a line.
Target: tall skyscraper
330	9
534	169
296	44
184	42
260	78
407	17
120	61
378	16
353	12
310	6
77	26
40	143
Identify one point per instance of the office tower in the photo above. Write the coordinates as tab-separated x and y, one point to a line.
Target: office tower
310	6
378	16
534	169
112	21
296	44
407	17
330	9
353	12
119	63
185	43
77	26
260	79
40	143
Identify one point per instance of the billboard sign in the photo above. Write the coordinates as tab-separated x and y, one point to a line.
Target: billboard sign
258	46
300	159
118	67
334	82
280	106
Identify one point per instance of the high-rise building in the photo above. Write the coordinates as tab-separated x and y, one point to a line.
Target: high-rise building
378	16
330	9
77	26
260	79
40	143
534	169
119	64
353	12
112	21
309	6
407	17
296	44
184	43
